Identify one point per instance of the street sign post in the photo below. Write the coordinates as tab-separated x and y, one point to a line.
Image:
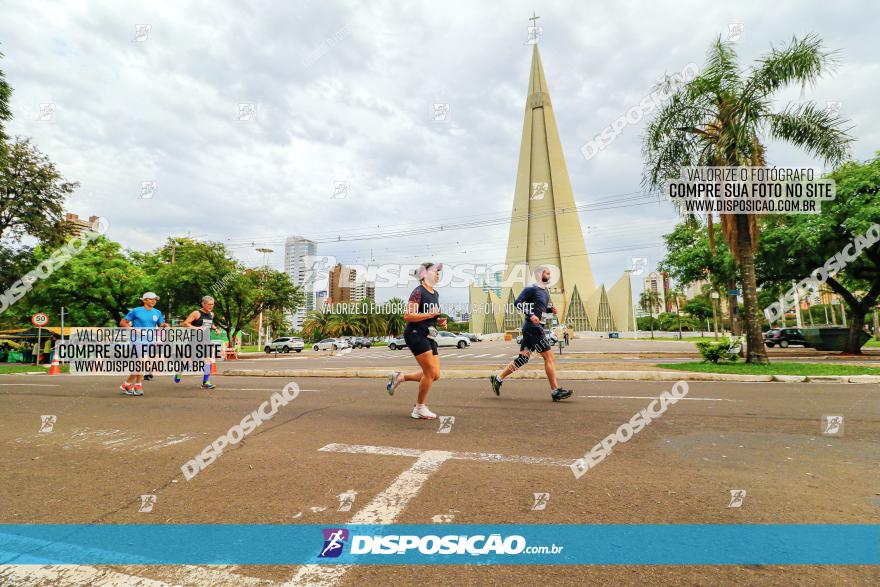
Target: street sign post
39	320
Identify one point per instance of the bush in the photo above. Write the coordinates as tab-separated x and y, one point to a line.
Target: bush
716	352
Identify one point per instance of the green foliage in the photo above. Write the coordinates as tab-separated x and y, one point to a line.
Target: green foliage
716	352
96	287
689	258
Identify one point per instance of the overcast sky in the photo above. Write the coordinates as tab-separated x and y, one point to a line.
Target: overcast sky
343	91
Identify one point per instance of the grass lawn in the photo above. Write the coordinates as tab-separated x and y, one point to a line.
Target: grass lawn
779	368
872	343
19	368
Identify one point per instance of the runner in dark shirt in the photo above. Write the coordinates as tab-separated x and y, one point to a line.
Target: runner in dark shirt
423	309
534	301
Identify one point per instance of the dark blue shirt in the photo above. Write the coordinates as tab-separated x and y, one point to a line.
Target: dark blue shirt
533	301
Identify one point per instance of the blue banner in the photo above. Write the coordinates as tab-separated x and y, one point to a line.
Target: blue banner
544	544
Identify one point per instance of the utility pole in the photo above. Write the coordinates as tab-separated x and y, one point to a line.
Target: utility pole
265	252
797	305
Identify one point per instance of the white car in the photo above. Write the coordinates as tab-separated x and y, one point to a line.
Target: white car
285	344
330	344
444	338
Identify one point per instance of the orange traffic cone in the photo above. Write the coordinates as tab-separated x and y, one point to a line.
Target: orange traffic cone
55	369
213	367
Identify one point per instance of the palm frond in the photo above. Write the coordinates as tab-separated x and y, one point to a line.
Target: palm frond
802	62
818	131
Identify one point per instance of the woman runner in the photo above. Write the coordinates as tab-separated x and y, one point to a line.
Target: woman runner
421	319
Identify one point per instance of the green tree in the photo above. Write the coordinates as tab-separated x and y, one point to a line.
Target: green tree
648	301
794	246
97	287
718	119
248	292
393	316
700	308
5	113
32	195
183	270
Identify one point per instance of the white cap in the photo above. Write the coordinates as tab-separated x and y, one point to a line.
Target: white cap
149	296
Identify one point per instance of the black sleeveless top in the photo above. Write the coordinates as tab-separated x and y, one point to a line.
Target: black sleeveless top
427	302
205	320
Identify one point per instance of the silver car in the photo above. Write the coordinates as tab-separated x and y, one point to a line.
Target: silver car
285	344
330	344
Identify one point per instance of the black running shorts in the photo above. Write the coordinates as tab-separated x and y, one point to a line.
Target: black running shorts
417	341
534	340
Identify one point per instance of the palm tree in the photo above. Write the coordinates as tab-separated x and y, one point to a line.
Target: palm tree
394	323
648	301
316	325
720	118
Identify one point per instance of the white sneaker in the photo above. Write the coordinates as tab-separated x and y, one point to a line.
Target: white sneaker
423	413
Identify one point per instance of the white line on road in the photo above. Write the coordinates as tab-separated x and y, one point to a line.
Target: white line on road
478	356
388	505
698	399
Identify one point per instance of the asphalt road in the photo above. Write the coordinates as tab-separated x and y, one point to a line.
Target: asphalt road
106	450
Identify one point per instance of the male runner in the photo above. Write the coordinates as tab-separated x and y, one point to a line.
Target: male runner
202	318
146	316
534	301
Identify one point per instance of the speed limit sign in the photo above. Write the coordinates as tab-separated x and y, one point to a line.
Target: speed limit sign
39	319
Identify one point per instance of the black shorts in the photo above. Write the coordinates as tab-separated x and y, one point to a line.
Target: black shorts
418	342
534	340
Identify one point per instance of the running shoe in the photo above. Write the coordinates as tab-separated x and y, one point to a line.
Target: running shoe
423	413
126	387
496	385
177	378
148	377
136	389
560	394
208	385
392	382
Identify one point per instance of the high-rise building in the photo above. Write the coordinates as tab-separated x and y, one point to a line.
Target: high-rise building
78	225
545	230
299	260
345	288
659	282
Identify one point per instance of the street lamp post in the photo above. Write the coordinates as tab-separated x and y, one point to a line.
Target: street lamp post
265	252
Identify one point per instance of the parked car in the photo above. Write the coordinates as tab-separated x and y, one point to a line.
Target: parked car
784	337
285	344
472	337
331	344
446	338
360	342
547	333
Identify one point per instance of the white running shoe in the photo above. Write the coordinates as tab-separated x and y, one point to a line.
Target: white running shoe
423	413
392	382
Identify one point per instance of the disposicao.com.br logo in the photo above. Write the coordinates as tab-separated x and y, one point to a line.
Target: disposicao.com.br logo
475	545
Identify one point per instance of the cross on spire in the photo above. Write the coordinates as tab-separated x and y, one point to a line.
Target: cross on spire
533	18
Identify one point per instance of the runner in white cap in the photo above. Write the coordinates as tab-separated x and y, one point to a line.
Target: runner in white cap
146	316
421	319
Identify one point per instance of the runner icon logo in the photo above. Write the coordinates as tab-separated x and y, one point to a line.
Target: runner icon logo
737	496
47	423
334	541
147	503
832	425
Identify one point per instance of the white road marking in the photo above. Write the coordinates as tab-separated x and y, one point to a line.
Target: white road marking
698	399
465	355
388	505
478	356
501	356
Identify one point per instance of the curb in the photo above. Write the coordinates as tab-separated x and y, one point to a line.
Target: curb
484	373
568	374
